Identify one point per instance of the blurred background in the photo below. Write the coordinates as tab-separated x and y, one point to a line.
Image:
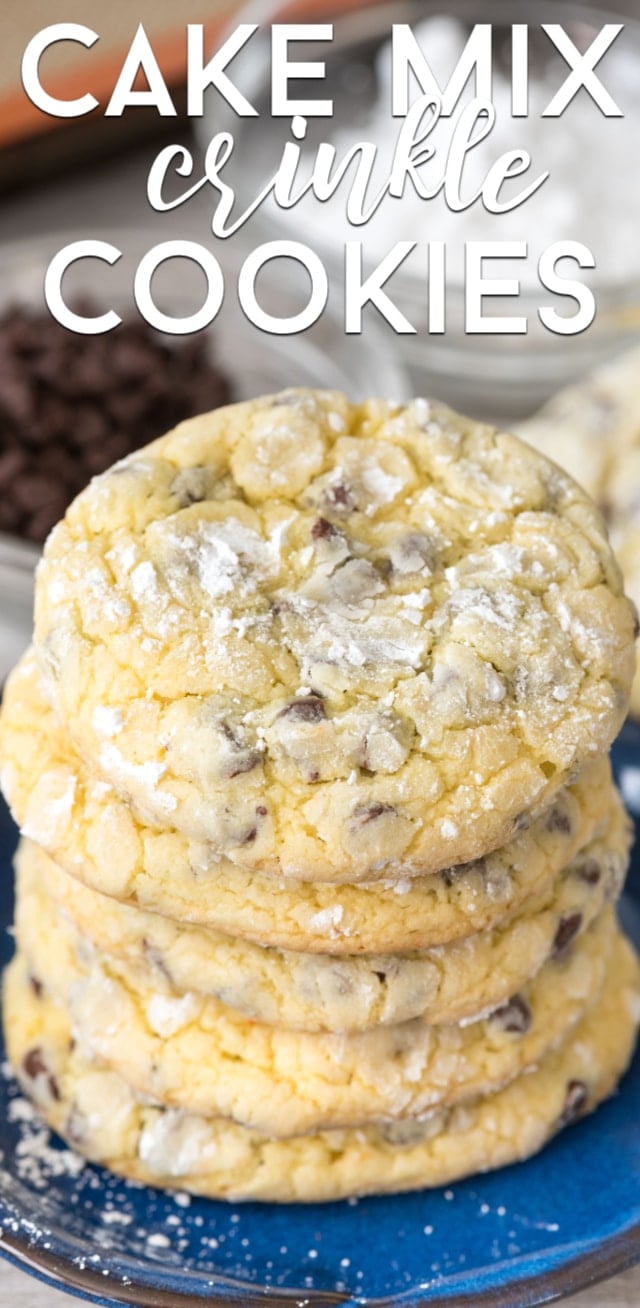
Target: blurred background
70	405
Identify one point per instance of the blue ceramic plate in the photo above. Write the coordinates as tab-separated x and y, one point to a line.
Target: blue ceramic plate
521	1236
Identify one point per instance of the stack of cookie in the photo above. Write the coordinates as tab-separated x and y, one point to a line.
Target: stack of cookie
320	842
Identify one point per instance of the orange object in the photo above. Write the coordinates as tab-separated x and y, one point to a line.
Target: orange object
20	120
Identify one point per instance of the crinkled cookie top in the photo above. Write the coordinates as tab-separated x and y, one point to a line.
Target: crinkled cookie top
369	637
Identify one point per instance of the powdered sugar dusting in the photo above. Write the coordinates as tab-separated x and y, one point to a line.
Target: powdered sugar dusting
168	1014
328	919
144	582
37	1161
107	721
50	806
225	554
145	775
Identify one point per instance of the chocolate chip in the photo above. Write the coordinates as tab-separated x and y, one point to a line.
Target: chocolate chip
244	763
450	874
384	567
16	405
191	485
309	708
365	813
35	1066
636	623
229	734
514	1016
36	986
70	405
12	462
11	517
606	508
520	683
261	810
590	871
568	928
32	491
40	523
412	553
558	821
522	822
242	759
156	958
322	529
382	976
340	498
575	1102
250	836
355	580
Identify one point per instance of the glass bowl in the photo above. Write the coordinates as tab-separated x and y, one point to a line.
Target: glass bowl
256	363
502	376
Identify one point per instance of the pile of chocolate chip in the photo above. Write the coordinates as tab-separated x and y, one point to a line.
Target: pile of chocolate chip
71	405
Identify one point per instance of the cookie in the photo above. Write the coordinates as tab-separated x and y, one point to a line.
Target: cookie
335	642
100	1116
625	537
587	426
94	836
189	1051
593	430
315	992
